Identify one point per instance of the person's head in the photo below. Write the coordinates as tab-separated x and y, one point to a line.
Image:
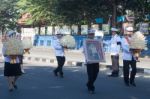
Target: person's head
59	35
91	34
114	30
129	31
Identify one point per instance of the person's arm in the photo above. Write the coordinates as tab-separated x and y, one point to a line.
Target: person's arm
118	40
124	47
4	51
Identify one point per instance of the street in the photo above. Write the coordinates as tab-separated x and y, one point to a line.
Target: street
39	83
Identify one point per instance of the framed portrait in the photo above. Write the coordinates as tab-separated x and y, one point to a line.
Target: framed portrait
93	50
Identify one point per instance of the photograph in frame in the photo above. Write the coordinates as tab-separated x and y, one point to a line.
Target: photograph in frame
94	51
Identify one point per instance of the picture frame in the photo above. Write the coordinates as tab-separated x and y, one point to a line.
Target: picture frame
93	50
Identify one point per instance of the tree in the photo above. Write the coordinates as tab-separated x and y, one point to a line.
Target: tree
60	12
8	14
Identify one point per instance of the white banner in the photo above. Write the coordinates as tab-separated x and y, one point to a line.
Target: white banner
74	29
144	28
49	30
84	29
105	28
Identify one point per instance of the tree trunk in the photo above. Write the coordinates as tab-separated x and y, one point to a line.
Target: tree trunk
39	30
79	29
114	14
3	30
53	30
46	30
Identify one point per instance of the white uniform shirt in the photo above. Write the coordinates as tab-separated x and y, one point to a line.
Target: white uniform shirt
114	48
59	50
127	55
7	58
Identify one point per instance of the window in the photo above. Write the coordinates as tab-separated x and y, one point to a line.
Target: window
41	42
49	43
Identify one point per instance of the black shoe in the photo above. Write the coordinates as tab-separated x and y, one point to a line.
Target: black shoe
113	75
55	73
87	85
133	84
10	90
15	86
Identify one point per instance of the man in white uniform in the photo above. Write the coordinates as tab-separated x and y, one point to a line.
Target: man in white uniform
60	55
114	51
92	67
128	59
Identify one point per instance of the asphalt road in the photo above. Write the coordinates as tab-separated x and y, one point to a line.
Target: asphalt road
39	83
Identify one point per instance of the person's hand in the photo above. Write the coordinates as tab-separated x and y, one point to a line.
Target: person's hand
65	47
5	55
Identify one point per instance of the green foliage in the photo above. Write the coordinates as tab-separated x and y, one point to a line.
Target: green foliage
60	12
42	11
8	14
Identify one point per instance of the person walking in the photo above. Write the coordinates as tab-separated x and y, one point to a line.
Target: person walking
114	51
128	59
12	71
60	55
92	67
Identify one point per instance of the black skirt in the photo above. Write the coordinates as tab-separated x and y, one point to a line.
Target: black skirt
12	69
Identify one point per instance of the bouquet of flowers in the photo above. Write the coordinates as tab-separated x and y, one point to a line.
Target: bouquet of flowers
137	43
13	48
68	41
27	44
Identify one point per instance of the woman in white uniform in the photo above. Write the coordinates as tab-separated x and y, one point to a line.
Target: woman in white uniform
11	70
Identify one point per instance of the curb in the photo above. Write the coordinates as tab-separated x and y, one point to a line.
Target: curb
73	63
76	63
139	70
49	60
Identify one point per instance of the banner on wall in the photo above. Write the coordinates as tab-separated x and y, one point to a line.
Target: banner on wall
84	29
99	20
74	30
42	32
95	26
66	29
105	28
36	30
49	30
144	28
57	29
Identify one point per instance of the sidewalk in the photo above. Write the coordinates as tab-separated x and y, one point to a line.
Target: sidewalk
76	57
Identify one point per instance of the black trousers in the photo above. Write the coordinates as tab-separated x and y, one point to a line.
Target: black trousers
92	71
60	61
126	70
115	64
